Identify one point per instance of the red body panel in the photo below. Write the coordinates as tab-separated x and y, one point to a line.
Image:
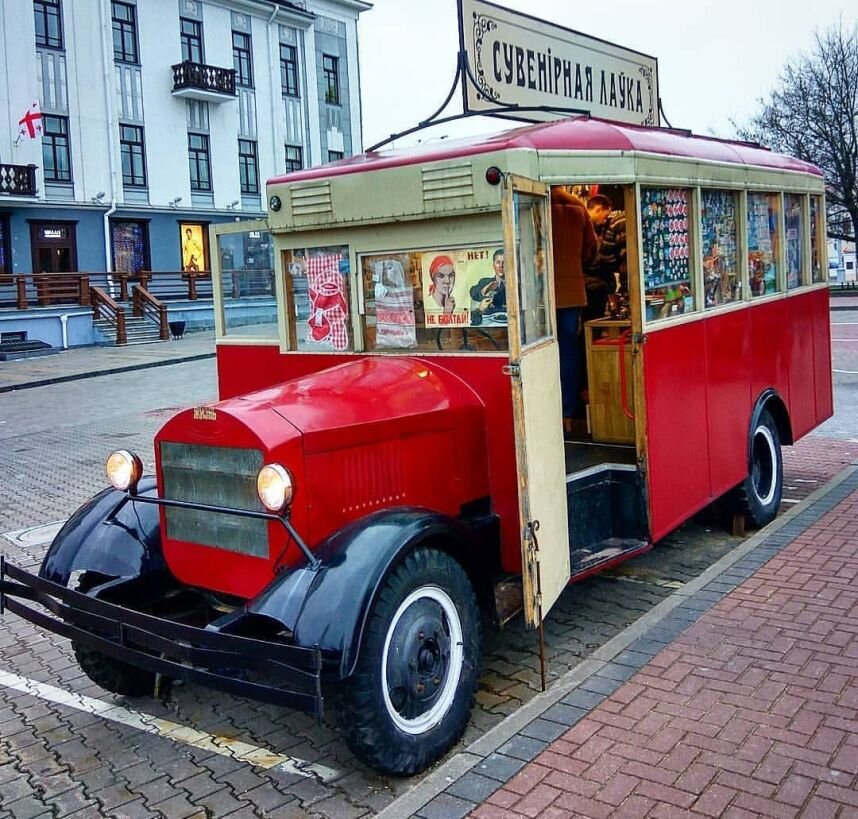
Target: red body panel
241	368
698	411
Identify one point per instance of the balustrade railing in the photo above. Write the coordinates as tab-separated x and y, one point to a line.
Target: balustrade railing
104	307
145	305
203	78
18	180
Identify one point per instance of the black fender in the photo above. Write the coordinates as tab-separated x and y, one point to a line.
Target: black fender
111	535
328	606
769	399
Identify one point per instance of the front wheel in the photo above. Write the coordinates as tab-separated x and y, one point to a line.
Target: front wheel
411	695
759	495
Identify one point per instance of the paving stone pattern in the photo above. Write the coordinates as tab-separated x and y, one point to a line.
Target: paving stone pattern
743	702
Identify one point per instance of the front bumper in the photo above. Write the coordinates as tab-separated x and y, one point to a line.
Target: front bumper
287	675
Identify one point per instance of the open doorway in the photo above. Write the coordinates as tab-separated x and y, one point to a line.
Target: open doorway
597	314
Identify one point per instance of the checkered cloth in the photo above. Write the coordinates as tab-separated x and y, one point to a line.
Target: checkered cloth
329	307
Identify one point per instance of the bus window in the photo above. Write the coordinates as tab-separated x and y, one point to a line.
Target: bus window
763	243
448	299
719	244
794	228
666	241
247	283
816	256
318	299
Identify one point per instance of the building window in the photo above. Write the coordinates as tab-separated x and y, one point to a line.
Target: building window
124	32
133	156
130	242
49	23
289	70
56	157
294	158
198	156
241	59
331	70
192	40
247	168
333	156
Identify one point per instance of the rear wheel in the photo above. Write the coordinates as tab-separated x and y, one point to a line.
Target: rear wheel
412	692
759	495
111	674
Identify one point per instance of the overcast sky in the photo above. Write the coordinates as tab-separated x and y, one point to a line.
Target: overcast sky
715	57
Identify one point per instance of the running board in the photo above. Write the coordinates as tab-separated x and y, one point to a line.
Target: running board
601	556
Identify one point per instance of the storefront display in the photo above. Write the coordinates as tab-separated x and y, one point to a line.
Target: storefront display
130	247
718	242
793	228
667	251
763	243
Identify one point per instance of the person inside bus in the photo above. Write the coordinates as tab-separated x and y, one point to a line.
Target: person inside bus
574	246
607	274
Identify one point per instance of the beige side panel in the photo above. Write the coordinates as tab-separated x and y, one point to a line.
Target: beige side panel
548	550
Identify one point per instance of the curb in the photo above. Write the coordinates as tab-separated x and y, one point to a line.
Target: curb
467	779
61	379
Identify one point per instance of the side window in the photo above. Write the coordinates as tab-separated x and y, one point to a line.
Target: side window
318	299
794	229
666	241
816	234
449	299
763	243
246	282
718	239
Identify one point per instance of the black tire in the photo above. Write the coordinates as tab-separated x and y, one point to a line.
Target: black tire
759	495
111	674
411	695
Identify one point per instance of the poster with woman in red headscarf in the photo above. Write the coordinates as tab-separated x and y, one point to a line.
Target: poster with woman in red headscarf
445	289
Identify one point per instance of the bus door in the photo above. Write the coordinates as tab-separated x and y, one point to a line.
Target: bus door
534	369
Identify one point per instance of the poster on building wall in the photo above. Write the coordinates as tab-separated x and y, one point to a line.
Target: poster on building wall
518	60
194	256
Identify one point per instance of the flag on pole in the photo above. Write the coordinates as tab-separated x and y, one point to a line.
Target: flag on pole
30	125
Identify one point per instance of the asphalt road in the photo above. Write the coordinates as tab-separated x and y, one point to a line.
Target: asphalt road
69	748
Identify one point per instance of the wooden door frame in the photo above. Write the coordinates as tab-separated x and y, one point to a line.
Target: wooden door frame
36	242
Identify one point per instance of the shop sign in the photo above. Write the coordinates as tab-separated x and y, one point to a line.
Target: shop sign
518	60
54	233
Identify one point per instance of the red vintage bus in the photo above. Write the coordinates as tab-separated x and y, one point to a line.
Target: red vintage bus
387	463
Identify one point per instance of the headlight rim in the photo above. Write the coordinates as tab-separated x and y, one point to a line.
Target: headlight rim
135	470
288	491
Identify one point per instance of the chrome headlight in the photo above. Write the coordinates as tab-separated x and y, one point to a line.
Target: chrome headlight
124	470
274	487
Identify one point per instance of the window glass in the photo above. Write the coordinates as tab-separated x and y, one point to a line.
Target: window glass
318	298
763	243
5	261
718	238
124	32
794	229
289	70
294	158
816	255
247	283
192	40
530	244
331	74
248	173
198	162
431	300
55	149
49	27
133	154
241	59
666	242
130	247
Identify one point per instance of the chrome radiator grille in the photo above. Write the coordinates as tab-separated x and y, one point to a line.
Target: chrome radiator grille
218	476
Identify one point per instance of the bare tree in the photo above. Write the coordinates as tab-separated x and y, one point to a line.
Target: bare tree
813	115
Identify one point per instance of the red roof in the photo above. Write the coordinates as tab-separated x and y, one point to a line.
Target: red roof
573	134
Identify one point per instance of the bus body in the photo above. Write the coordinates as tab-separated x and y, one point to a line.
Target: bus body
412	420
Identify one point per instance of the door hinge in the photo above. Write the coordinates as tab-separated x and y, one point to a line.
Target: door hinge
512	370
639	338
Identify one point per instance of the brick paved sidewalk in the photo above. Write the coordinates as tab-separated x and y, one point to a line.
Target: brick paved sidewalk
753	711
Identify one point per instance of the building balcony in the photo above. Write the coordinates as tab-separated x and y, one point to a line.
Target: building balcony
203	82
18	180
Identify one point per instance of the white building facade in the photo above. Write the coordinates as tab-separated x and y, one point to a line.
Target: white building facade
159	117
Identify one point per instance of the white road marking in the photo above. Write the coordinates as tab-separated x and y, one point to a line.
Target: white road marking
233	748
